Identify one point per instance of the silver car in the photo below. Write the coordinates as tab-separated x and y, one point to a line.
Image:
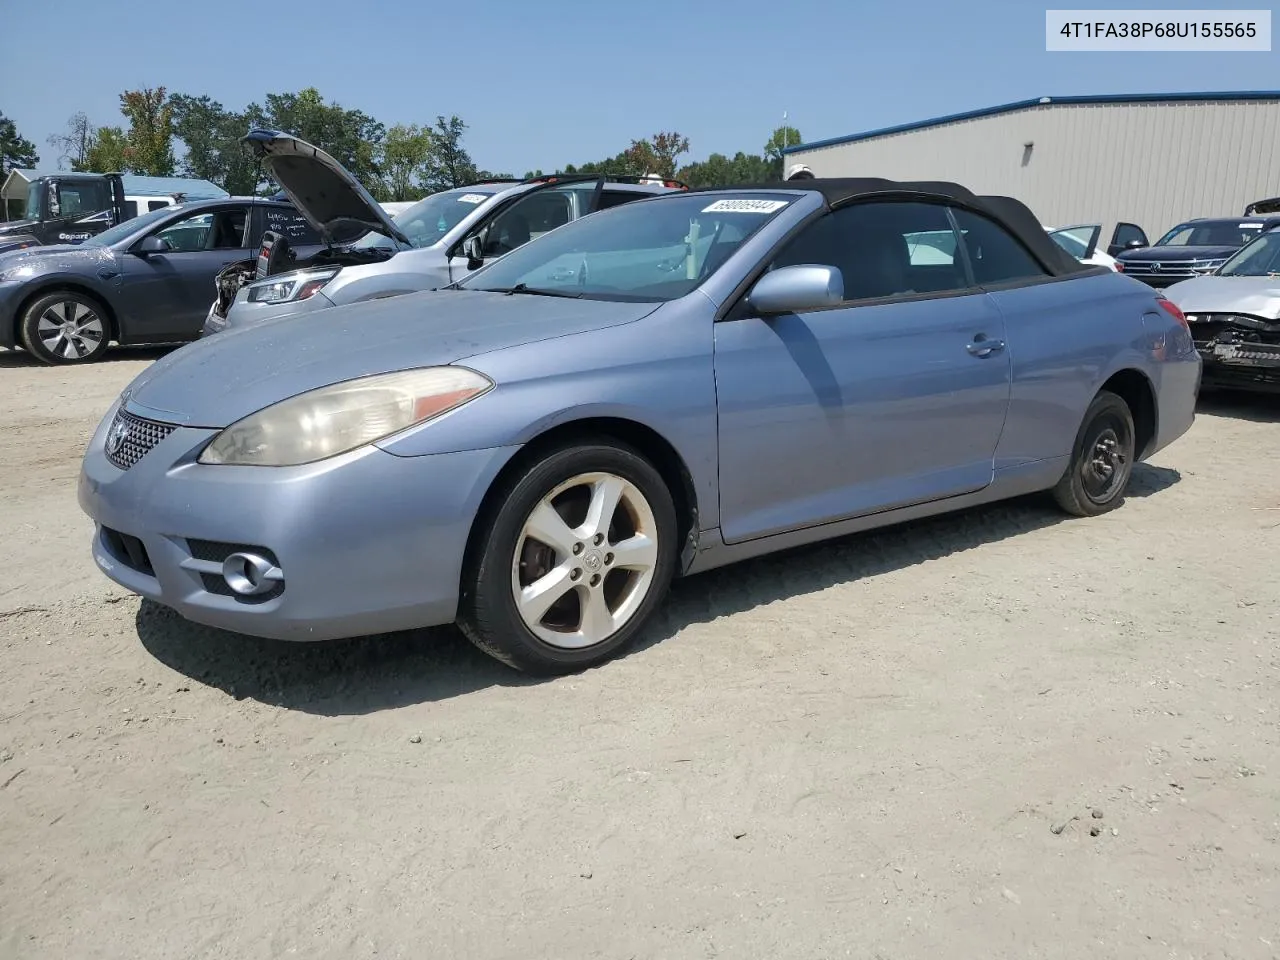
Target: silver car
648	392
436	241
1235	317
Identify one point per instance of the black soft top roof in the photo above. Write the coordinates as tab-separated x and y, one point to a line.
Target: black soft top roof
1012	214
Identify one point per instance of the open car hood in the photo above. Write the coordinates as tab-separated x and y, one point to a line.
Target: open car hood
331	199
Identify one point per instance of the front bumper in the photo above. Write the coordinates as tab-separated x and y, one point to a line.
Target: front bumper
10	297
1241	365
242	313
365	543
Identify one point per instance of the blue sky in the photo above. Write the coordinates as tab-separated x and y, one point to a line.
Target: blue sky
542	85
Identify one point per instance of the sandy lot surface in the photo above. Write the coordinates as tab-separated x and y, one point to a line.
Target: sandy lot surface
864	749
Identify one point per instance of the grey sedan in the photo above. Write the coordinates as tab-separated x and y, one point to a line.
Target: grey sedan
146	280
661	388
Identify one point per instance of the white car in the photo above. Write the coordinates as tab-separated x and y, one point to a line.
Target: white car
1081	241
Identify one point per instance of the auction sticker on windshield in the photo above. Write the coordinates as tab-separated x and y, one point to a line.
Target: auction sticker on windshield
745	206
473	198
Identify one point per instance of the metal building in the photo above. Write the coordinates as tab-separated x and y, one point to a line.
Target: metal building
1150	159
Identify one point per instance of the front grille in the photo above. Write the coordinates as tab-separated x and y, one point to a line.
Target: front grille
1169	272
131	438
127	549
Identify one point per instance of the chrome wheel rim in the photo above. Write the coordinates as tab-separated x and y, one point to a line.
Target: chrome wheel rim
70	330
584	561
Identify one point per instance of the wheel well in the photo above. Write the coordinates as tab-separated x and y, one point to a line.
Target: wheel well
113	325
1135	390
644	440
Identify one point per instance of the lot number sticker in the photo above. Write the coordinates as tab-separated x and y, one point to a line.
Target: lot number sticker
745	206
473	198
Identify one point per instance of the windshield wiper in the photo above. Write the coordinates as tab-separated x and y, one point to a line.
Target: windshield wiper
532	291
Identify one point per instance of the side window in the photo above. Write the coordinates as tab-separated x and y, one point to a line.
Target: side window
532	215
130	209
995	255
614	198
215	230
290	224
156	204
1128	232
883	249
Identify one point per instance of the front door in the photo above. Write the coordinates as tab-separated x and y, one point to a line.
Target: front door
896	397
166	295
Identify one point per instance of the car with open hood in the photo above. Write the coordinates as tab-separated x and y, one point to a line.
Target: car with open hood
1234	316
145	280
1195	248
660	388
371	254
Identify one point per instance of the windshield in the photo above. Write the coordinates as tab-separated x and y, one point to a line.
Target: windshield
431	218
122	230
1210	233
32	209
1074	240
1259	259
646	251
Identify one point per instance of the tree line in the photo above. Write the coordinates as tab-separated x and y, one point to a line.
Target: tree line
401	162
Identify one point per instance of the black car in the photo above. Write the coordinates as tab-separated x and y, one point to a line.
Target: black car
1193	249
147	280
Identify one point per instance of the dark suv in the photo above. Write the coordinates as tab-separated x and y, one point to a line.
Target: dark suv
1196	248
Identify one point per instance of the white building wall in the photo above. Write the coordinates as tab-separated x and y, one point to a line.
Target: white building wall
1154	164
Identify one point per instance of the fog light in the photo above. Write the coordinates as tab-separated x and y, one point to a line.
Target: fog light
250	575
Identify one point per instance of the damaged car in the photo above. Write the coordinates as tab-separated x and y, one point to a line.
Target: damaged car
369	254
1234	317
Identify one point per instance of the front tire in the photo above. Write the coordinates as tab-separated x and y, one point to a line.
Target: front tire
573	561
65	327
1101	460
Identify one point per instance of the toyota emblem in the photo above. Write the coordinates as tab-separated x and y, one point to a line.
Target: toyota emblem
116	437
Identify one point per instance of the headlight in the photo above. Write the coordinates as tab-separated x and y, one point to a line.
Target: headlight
291	287
343	416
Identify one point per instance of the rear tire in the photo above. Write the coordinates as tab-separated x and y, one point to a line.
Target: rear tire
1101	460
572	562
65	327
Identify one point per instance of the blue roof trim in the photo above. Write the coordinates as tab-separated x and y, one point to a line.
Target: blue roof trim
1245	95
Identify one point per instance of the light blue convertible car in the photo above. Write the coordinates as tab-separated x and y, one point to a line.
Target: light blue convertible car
657	389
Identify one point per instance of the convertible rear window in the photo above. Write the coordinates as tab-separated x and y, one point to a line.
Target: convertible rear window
649	251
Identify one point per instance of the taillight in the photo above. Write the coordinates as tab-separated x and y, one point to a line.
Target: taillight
1173	310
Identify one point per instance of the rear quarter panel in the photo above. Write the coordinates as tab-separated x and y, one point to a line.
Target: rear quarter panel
1066	339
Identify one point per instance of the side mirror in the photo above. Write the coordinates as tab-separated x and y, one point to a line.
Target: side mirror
473	251
150	245
1134	245
794	289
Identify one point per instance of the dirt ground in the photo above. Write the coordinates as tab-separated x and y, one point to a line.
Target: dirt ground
898	745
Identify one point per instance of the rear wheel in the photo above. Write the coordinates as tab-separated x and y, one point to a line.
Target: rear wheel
1101	461
65	327
573	562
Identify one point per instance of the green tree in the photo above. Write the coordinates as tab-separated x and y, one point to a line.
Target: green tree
780	139
351	137
658	154
149	148
15	150
107	152
73	144
406	153
211	135
449	165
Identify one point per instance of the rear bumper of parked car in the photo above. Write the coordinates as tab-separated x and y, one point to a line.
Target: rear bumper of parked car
364	543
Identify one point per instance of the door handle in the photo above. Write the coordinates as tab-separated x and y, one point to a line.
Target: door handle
982	347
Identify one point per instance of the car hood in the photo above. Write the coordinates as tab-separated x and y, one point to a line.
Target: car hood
1175	254
215	382
1255	296
331	199
61	256
16	226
